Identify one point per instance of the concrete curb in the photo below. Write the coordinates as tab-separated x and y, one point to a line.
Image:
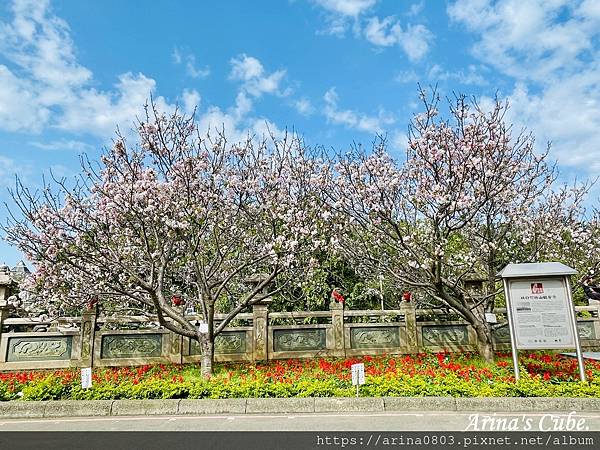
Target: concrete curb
237	406
349	404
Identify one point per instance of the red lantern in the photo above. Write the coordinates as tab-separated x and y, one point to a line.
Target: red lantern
337	296
92	303
177	300
406	296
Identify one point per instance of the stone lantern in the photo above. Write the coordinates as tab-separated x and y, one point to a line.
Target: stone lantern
254	281
260	318
473	284
6	283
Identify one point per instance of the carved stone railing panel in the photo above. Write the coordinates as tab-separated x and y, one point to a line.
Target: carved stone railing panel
51	348
299	340
405	330
586	330
501	334
226	343
443	335
131	346
380	337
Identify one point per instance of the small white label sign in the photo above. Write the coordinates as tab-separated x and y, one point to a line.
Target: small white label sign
203	327
358	374
86	378
491	318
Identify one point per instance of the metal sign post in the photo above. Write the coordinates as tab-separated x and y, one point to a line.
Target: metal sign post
511	327
540	309
577	342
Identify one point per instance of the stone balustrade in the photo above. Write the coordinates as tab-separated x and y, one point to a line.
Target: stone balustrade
94	340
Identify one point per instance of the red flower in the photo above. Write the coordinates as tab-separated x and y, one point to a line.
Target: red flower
546	376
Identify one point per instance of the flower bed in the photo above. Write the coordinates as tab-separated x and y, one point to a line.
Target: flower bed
455	375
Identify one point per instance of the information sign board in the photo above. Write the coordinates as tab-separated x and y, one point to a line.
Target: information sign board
540	309
540	312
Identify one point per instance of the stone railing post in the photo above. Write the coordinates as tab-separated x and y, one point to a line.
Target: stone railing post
410	322
337	322
87	335
596	316
5	282
260	323
4	310
175	348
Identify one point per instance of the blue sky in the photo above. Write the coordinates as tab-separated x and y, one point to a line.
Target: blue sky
336	71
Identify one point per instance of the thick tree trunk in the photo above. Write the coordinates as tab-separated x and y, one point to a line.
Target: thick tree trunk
485	345
208	355
476	318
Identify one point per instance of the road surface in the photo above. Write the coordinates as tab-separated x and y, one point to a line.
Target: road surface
384	421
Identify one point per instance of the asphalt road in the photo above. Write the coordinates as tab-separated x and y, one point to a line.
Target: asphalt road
397	421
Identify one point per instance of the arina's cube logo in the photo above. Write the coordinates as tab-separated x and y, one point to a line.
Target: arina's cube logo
537	288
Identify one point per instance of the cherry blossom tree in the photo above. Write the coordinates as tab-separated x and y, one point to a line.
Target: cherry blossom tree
176	217
560	228
451	210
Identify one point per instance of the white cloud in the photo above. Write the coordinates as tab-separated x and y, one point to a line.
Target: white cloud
191	100
194	71
399	141
189	61
384	32
20	108
534	39
416	8
549	47
414	40
99	112
340	14
236	128
589	9
406	76
265	128
304	106
176	55
63	144
470	77
567	115
256	82
243	105
246	68
353	119
238	120
45	85
8	169
350	8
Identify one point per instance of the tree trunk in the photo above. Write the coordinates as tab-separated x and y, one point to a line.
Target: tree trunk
483	329
485	345
208	354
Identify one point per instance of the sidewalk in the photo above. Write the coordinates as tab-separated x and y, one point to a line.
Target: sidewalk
175	407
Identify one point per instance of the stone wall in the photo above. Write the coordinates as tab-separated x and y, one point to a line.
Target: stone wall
98	341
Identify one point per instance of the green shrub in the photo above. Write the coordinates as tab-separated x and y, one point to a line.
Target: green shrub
442	375
48	388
